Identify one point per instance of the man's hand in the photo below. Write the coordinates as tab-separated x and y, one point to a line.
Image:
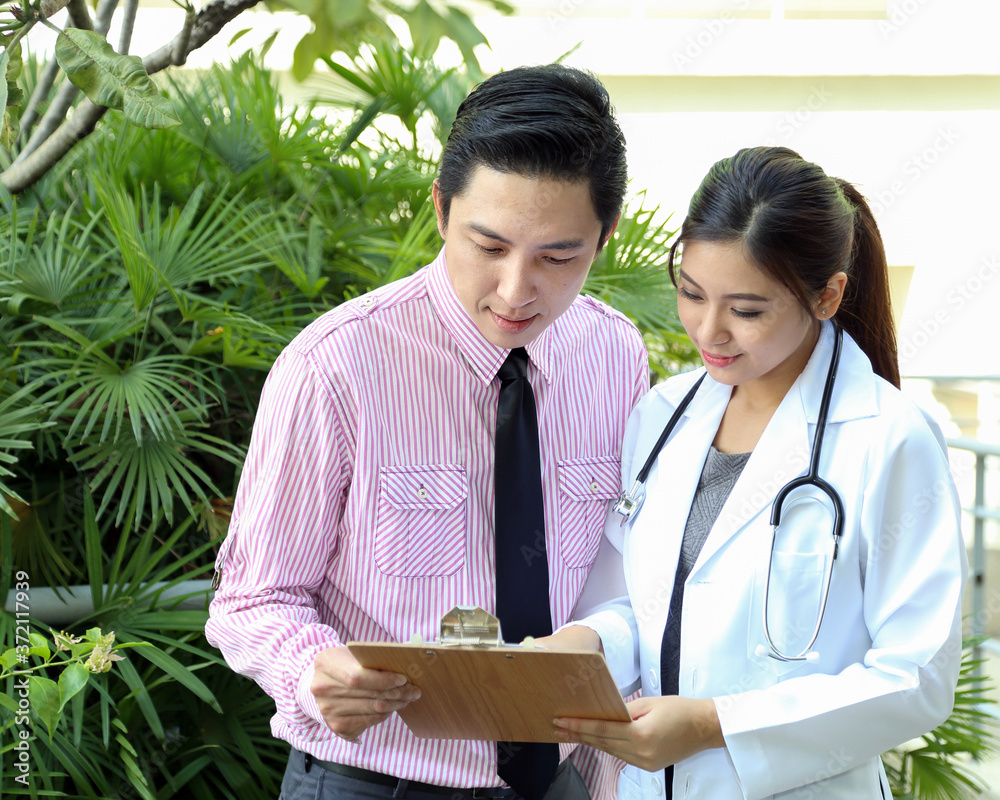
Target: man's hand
352	698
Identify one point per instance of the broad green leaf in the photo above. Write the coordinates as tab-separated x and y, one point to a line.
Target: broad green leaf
43	694
112	80
426	27
72	680
309	48
39	646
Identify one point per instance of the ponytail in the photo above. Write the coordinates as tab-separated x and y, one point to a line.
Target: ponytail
866	310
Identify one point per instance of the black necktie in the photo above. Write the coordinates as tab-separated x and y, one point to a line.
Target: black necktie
522	572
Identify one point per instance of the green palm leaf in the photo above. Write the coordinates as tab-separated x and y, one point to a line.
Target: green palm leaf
630	273
150	394
21	416
136	471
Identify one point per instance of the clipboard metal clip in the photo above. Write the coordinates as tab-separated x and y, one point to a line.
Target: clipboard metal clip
470	625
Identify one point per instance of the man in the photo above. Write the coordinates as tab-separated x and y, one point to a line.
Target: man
366	508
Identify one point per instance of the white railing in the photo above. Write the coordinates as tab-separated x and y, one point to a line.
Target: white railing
981	511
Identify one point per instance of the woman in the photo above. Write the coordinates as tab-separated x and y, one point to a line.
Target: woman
776	256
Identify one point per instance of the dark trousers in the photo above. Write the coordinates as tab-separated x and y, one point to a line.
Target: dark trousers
321	784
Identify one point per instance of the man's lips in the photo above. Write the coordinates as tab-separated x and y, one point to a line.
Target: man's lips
508	325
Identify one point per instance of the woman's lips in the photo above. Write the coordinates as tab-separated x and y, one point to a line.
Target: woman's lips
717	361
512	325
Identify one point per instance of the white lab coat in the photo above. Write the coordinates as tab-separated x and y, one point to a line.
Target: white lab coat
890	643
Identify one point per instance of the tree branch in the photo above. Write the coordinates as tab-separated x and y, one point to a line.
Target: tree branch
55	114
28	170
79	15
211	19
38	96
128	24
183	39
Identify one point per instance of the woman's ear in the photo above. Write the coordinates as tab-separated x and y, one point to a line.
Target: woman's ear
831	297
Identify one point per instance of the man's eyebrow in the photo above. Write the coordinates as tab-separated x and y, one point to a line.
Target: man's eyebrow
735	296
560	244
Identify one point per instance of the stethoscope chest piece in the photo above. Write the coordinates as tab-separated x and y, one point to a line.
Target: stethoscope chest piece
629	502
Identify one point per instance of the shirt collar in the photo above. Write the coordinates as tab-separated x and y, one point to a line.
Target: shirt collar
484	357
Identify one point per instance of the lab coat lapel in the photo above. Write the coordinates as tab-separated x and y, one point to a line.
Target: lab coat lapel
784	449
671	486
781	454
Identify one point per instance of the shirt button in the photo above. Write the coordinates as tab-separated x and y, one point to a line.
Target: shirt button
367	302
654	679
657	786
595	486
422	493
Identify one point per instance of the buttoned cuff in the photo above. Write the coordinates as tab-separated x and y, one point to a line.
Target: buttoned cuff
304	697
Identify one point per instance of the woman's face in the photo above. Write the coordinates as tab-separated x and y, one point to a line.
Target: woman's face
749	329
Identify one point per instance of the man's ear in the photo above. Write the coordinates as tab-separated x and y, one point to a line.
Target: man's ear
439	208
611	233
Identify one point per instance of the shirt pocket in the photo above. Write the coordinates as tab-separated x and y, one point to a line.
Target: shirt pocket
420	530
586	487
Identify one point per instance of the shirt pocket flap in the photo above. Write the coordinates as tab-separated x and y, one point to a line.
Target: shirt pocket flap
436	488
586	479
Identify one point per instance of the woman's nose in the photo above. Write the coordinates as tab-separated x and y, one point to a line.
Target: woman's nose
713	328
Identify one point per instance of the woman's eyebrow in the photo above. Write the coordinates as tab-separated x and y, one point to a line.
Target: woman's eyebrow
734	296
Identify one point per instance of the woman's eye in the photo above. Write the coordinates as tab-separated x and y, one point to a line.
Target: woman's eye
687	295
747	314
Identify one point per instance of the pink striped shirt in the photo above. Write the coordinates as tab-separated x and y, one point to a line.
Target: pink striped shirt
365	506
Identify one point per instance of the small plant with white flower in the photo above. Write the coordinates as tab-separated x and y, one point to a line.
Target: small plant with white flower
78	657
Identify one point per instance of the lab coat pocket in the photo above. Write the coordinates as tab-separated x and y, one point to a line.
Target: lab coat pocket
586	487
793	604
630	782
420	531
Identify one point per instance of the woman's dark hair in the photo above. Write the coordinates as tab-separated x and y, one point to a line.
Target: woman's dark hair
800	227
548	121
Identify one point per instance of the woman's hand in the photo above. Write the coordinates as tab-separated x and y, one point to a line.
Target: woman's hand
575	637
663	731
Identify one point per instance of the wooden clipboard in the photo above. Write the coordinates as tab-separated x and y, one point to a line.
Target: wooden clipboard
473	686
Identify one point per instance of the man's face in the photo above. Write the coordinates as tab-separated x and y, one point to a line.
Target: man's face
518	250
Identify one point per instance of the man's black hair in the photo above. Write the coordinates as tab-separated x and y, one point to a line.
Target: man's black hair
548	121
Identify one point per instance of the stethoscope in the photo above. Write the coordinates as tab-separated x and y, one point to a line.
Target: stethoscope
630	502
